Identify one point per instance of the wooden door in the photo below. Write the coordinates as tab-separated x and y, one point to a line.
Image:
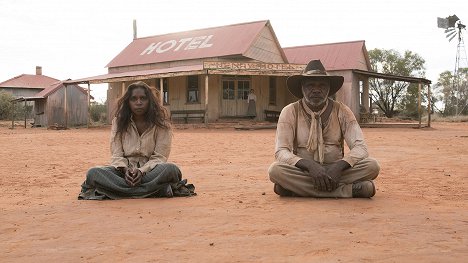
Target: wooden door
242	91
234	93
228	98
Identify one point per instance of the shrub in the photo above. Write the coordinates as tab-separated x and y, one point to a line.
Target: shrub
98	112
6	106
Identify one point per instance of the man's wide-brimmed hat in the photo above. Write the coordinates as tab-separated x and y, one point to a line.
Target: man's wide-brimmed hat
313	70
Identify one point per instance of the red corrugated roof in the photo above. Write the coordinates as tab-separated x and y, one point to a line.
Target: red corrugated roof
28	81
54	87
334	56
202	43
51	89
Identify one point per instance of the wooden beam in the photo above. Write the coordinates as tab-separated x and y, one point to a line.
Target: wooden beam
206	99
419	103
251	73
13	115
253	66
429	105
161	90
25	112
65	110
143	77
365	94
391	77
89	108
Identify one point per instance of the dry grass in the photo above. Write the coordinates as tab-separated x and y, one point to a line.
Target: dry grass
459	118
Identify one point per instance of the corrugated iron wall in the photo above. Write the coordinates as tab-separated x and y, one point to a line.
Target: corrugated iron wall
76	108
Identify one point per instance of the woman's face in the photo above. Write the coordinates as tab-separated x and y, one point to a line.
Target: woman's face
139	102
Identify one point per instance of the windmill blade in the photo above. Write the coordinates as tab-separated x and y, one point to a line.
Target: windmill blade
451	34
449	30
450	39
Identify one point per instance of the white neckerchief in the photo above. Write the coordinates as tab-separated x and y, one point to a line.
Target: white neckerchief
315	142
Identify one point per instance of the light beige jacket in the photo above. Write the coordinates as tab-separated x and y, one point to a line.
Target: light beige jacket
145	151
341	125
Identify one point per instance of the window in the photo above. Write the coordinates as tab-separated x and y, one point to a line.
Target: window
165	91
272	91
243	88
193	90
228	89
236	87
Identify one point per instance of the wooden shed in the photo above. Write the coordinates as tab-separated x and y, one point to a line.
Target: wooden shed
58	106
61	106
53	103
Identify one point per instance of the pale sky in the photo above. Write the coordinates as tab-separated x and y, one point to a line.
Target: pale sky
77	38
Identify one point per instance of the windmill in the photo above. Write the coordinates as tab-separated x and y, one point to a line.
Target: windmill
454	27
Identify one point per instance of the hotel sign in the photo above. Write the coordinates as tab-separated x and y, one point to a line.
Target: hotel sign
175	45
252	66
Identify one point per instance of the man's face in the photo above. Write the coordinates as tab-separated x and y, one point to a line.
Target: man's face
315	91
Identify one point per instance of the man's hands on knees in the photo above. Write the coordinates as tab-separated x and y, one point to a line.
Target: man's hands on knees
335	170
318	174
324	178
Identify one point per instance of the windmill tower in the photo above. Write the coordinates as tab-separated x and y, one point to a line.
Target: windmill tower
453	28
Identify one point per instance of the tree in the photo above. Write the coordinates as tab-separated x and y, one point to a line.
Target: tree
462	91
444	87
454	97
388	94
409	102
6	106
98	111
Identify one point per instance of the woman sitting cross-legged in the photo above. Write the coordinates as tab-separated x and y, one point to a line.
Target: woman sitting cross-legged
140	145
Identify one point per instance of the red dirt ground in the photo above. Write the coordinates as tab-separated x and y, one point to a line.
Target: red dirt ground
420	212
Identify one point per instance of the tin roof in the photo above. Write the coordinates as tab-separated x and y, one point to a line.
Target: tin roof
56	86
334	56
28	81
373	74
202	43
51	89
137	75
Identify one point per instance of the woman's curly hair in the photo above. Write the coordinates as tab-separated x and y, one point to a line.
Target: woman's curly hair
156	114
